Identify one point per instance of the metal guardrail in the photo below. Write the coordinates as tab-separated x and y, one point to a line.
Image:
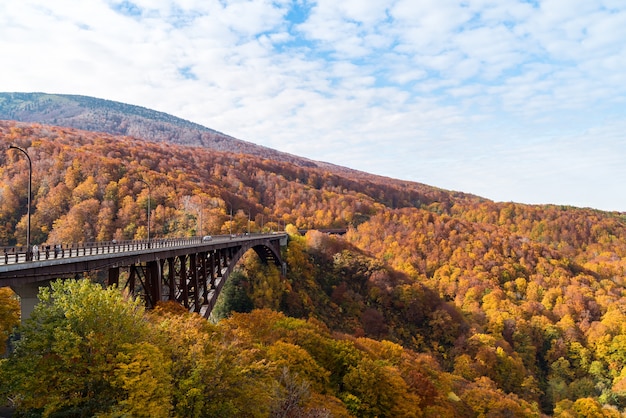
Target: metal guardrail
21	254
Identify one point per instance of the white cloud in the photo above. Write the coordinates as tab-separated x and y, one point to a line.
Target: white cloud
481	96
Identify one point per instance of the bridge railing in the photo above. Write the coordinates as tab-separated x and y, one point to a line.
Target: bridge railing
21	254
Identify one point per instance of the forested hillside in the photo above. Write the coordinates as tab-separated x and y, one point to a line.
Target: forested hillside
80	176
433	304
99	115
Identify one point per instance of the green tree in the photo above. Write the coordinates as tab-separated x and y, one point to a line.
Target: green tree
9	315
233	297
84	352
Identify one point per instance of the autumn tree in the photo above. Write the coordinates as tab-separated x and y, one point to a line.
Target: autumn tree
9	315
84	352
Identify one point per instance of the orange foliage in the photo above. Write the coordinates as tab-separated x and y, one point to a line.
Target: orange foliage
520	303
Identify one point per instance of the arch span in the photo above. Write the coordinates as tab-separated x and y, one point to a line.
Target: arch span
195	278
267	254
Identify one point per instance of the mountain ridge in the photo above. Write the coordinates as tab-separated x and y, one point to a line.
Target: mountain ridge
116	118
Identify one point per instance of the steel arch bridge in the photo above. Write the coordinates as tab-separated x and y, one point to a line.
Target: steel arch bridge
190	271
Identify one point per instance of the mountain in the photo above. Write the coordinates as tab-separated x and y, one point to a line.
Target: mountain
115	118
99	115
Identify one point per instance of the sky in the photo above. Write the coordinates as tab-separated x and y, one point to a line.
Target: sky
511	100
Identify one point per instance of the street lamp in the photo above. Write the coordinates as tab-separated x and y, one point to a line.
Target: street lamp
230	224
30	181
201	209
146	183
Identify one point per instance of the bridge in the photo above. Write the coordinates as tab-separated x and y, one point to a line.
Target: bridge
190	271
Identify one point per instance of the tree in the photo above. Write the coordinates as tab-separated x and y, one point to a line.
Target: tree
233	297
9	315
79	225
485	400
216	371
377	390
583	408
84	352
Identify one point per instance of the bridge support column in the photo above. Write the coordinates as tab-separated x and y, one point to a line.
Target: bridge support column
171	278
184	286
132	274
212	267
221	262
114	276
153	281
193	269
204	277
28	297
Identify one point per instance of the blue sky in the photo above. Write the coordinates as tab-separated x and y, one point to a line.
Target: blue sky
511	100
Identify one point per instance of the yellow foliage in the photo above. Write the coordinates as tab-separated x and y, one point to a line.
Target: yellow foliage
143	372
9	315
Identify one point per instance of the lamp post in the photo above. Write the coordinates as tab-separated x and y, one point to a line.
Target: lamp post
146	183
230	224
201	210
30	181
